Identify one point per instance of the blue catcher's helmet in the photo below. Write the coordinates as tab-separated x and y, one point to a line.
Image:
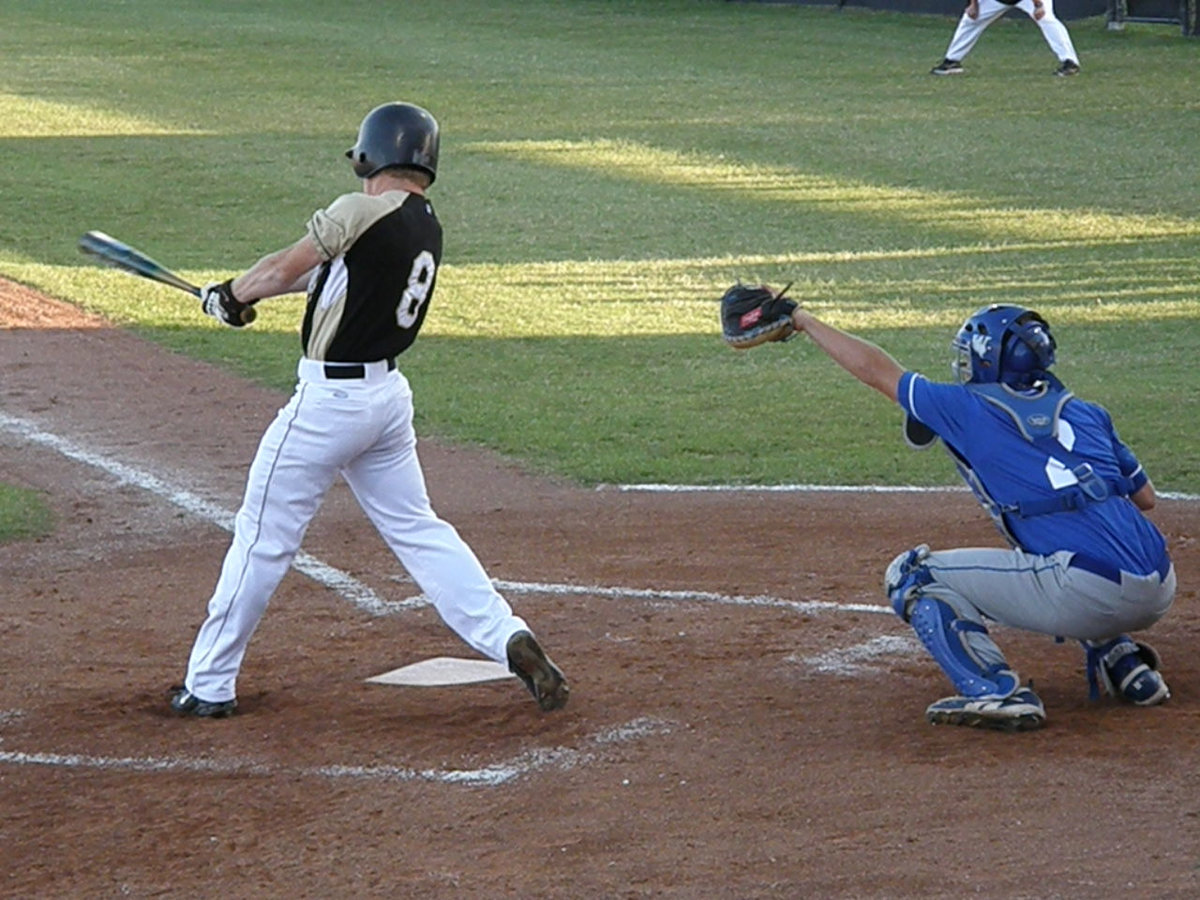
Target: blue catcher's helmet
1006	344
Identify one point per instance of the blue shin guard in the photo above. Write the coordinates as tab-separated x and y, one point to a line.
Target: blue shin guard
944	635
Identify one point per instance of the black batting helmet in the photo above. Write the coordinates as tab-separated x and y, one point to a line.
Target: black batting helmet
396	135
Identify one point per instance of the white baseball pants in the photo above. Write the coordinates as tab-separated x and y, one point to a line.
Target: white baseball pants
969	30
362	429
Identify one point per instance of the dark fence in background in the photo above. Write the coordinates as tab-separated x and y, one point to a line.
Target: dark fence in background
1064	9
1117	12
1165	12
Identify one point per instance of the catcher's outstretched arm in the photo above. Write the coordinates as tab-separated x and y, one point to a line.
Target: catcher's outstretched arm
862	359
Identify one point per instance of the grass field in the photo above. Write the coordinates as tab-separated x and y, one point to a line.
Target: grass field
608	167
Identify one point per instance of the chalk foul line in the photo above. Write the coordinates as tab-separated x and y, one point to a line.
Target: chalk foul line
628	593
651	488
342	583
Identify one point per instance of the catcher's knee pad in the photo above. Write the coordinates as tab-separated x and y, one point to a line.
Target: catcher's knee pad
904	578
943	634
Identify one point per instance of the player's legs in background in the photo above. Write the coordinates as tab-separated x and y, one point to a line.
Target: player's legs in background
969	30
388	483
1053	30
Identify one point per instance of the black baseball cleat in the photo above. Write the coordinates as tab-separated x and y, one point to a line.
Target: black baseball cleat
545	680
947	67
185	703
1069	67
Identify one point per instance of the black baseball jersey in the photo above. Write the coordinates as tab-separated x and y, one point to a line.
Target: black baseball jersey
367	301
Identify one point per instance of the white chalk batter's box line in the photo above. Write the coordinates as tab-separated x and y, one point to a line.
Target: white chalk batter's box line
559	758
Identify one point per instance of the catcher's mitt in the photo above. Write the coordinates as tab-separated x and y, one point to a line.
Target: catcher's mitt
752	314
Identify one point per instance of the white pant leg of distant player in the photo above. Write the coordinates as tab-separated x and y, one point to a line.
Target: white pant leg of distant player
969	30
363	430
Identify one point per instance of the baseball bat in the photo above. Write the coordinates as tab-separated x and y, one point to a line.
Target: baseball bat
120	255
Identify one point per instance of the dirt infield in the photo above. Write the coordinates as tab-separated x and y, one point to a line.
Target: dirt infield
746	718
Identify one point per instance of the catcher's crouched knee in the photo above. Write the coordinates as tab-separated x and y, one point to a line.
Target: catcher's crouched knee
754	314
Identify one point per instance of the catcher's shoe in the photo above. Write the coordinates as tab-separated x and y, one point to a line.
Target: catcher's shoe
1127	670
947	67
1022	711
185	703
545	680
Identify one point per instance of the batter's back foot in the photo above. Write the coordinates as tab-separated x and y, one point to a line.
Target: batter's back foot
545	680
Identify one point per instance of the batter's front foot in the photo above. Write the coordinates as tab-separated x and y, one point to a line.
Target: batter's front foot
185	703
545	680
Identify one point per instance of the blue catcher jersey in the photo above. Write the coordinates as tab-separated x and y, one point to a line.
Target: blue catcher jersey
1007	471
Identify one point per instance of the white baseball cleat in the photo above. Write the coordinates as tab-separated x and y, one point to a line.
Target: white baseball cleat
1022	711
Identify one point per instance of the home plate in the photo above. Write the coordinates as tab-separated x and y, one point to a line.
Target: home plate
444	670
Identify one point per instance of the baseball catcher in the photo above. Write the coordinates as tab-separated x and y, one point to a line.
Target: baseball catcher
753	314
1068	495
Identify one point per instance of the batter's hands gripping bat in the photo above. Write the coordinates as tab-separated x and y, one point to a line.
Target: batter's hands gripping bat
120	255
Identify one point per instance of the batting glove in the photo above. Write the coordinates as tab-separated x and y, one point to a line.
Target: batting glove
218	301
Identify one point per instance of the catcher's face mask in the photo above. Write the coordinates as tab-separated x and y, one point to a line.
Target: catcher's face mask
1006	344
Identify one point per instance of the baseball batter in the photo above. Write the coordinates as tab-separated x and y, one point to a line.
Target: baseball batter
369	263
1061	486
979	14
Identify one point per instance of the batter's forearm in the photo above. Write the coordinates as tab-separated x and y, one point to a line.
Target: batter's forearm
862	359
282	272
264	279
